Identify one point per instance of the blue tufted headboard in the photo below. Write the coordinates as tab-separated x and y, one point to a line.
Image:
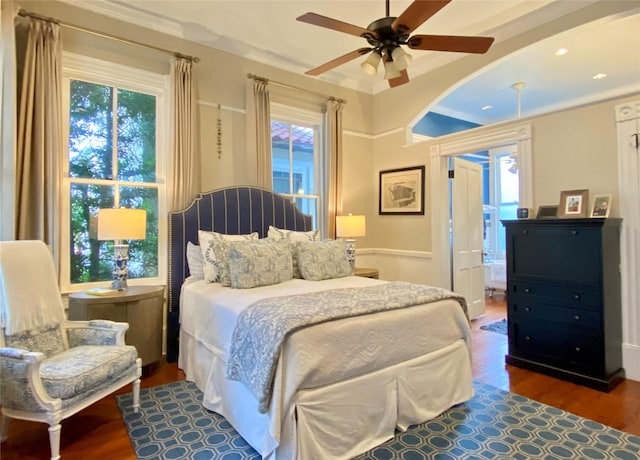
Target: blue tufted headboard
232	210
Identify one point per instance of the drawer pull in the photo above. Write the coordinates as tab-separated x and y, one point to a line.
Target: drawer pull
527	308
527	290
578	349
577	317
524	232
576	296
574	232
527	338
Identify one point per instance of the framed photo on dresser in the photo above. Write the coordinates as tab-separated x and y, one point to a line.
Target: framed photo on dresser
573	204
601	206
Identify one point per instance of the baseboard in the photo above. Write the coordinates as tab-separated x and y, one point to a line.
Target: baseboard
631	361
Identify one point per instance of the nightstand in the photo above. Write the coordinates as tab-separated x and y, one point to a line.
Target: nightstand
366	272
140	306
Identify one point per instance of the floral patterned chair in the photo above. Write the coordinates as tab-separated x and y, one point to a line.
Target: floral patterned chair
51	368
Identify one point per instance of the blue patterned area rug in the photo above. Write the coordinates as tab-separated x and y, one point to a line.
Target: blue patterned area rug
494	425
499	326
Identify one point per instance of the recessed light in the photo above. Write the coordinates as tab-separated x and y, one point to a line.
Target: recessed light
599	76
561	52
486	107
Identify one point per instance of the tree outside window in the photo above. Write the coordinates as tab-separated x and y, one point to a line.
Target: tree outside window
111	163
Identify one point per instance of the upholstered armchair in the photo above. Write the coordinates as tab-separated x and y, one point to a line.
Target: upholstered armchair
51	368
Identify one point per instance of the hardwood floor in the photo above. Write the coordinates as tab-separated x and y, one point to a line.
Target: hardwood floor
98	431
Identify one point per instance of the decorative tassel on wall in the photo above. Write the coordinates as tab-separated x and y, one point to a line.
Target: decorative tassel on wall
219	138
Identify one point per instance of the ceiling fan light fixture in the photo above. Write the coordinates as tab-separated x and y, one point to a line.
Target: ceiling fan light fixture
370	65
401	58
390	70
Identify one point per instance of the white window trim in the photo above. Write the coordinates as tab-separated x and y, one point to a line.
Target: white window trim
93	70
302	117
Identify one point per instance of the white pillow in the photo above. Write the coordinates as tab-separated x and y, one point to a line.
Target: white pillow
195	261
211	263
293	236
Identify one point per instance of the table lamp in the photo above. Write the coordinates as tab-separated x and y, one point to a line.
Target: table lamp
120	224
350	227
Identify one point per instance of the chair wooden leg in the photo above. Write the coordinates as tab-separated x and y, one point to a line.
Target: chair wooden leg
54	441
136	395
4	428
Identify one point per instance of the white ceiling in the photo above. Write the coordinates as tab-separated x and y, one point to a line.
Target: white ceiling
267	31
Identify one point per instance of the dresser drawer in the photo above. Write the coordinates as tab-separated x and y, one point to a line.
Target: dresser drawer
572	296
589	321
566	347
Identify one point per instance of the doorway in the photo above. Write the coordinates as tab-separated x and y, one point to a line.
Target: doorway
477	140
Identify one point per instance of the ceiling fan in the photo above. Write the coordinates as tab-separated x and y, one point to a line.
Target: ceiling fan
387	35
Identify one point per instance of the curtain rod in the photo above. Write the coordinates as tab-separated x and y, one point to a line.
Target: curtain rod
285	85
24	13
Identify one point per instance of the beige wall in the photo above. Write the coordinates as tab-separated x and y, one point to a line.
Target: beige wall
571	149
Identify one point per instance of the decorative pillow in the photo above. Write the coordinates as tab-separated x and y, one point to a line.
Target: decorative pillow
293	236
195	261
321	260
259	263
211	264
45	339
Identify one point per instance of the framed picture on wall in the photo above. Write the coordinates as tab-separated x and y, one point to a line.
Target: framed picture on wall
601	206
573	204
402	191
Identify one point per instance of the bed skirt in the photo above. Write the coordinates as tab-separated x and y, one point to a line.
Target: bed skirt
338	420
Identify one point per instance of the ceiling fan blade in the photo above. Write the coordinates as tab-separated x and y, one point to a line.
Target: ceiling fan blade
338	61
417	13
401	80
453	43
334	24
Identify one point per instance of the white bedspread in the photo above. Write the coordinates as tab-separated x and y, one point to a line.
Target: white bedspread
316	357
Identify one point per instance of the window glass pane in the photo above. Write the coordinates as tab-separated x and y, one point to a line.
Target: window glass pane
136	136
90	258
303	159
90	130
508	182
308	206
143	254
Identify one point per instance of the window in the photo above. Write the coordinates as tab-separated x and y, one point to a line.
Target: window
296	165
504	197
114	159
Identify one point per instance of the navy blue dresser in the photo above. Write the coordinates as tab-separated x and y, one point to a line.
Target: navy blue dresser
563	299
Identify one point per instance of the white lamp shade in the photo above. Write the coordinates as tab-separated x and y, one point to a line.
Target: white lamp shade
370	65
122	224
350	226
390	71
401	58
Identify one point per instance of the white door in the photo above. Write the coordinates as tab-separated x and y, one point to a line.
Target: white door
467	233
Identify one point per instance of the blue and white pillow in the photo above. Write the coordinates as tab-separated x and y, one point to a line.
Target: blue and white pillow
207	242
259	263
321	260
275	233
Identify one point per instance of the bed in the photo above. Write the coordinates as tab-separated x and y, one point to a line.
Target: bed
339	387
